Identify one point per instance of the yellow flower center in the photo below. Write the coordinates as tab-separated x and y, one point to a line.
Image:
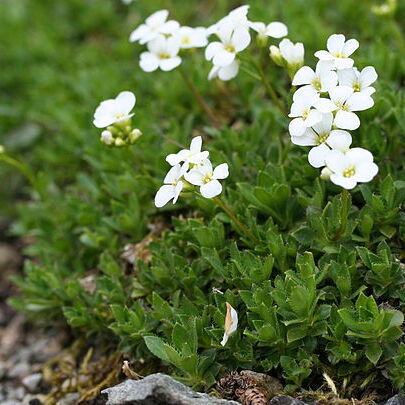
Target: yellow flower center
356	86
322	138
163	55
186	41
342	106
338	55
119	116
230	48
305	114
207	178
316	83
349	172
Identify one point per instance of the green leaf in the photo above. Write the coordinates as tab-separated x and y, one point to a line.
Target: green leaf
157	347
373	352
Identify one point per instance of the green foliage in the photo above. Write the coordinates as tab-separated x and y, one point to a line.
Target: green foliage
323	287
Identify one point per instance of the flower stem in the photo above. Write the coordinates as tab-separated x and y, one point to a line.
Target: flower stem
205	107
22	168
344	214
235	220
262	77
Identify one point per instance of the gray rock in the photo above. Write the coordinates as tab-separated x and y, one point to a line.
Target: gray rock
19	370
69	399
396	400
158	389
285	400
11	403
32	381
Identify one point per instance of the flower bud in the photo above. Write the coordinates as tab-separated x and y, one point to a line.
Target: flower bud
275	55
107	138
119	142
326	173
134	135
231	323
2	149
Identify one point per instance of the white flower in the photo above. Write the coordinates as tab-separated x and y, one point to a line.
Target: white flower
292	53
347	101
106	137
127	1
232	41
189	156
231	323
163	54
114	110
352	167
207	178
339	51
322	80
172	187
225	73
358	81
323	138
191	37
274	29
236	19
305	116
155	25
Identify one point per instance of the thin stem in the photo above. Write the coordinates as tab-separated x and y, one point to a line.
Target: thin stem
21	167
267	84
344	214
272	92
235	220
205	107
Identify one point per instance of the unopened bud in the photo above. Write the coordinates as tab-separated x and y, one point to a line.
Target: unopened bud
119	142
275	55
107	138
326	173
134	135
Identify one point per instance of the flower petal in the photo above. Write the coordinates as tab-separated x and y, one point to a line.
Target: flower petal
126	100
346	182
277	30
196	144
164	195
340	140
336	43
347	120
221	171
297	127
368	76
305	75
350	46
317	155
157	18
148	62
211	189
169	64
359	102
366	172
194	176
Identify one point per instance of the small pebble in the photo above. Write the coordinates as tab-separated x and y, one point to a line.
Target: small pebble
32	381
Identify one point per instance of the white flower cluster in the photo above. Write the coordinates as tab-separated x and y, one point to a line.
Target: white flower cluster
115	115
325	107
191	167
166	39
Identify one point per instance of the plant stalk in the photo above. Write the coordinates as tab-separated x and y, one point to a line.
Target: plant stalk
205	107
235	220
